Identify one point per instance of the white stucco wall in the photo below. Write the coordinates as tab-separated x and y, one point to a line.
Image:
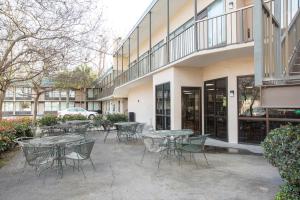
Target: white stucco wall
140	101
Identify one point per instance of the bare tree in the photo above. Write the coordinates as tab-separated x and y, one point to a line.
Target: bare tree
32	31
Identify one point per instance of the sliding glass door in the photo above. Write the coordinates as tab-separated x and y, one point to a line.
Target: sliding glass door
163	107
215	108
191	108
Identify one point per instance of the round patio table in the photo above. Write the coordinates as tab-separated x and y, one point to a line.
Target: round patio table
59	142
171	137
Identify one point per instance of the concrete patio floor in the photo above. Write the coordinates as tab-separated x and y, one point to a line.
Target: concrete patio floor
121	176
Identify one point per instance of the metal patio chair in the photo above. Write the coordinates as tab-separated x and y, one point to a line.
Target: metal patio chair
153	144
78	152
195	145
38	157
108	127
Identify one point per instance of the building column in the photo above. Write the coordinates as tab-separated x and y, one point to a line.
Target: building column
138	50
150	41
195	25
168	31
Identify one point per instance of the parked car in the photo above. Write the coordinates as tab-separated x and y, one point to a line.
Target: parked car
77	111
256	112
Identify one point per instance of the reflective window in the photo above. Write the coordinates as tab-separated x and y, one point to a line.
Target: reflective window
163	106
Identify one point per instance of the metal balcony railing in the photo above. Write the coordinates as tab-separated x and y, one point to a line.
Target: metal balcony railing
223	30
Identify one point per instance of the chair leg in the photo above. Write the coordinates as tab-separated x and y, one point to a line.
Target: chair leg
107	132
79	167
143	155
195	160
23	170
160	158
205	158
92	164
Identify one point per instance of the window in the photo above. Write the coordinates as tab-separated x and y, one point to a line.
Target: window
163	107
52	95
90	93
182	28
51	106
254	121
8	107
23	107
23	93
93	106
63	94
72	94
9	94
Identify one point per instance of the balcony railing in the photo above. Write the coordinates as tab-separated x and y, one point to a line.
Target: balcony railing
285	38
223	30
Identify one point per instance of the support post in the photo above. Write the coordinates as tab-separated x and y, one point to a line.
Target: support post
122	59
168	31
117	63
278	65
258	42
138	49
195	25
129	58
150	42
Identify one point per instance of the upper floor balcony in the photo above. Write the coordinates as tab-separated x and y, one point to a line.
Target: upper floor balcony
172	31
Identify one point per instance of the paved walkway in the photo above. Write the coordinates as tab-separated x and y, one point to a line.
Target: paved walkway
218	143
121	176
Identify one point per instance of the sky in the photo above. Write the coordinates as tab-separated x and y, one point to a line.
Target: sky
121	15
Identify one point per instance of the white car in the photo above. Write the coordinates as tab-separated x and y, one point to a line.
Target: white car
77	111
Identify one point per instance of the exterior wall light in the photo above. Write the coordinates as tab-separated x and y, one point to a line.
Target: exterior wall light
231	93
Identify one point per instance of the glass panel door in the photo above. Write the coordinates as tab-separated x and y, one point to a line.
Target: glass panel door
163	106
215	108
191	108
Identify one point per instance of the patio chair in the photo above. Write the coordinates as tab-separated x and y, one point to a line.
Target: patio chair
153	144
38	157
108	127
79	130
52	131
79	152
22	140
195	145
140	128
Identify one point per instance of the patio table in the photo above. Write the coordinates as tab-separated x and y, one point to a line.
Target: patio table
172	137
59	142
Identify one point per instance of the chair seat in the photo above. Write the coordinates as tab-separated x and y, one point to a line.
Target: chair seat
74	156
192	148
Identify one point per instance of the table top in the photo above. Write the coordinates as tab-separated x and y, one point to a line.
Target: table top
78	122
56	140
174	133
126	123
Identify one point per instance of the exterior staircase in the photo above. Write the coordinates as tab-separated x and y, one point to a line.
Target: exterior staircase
295	66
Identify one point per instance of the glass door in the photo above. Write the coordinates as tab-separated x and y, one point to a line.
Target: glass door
215	108
163	107
191	108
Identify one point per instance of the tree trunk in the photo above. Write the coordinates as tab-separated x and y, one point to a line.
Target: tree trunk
2	95
84	98
68	98
35	108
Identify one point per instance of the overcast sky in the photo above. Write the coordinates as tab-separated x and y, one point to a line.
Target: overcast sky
122	15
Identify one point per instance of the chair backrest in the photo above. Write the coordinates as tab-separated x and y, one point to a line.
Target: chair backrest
34	155
199	140
140	128
22	140
153	143
85	148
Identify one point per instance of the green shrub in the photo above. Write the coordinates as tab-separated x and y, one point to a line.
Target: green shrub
282	149
114	118
73	117
48	120
288	192
7	136
98	118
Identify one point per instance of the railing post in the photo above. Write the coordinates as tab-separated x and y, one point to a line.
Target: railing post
258	42
122	59
277	13
128	59
195	25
